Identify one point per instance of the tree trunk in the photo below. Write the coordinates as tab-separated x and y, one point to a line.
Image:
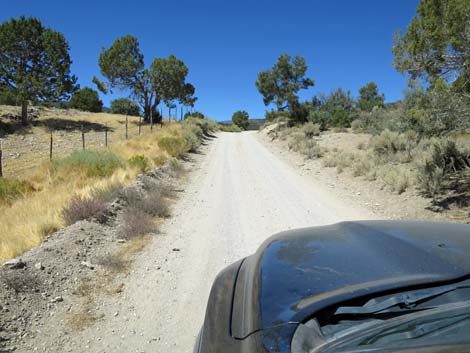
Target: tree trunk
24	112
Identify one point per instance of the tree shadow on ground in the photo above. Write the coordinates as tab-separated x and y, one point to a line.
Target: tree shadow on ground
455	193
14	126
58	124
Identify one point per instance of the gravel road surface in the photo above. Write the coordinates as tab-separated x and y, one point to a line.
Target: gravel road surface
239	194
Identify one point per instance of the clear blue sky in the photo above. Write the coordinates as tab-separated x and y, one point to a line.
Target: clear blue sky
225	43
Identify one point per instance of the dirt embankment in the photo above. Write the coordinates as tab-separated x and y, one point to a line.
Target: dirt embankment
52	291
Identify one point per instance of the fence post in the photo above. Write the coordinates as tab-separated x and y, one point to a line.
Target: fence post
126	127
83	137
151	119
50	148
140	123
1	153
106	135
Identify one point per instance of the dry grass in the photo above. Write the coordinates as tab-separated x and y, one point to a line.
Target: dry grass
27	220
31	143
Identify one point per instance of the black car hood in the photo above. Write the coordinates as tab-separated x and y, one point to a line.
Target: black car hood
297	273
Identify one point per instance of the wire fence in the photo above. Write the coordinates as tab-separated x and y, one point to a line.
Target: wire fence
20	153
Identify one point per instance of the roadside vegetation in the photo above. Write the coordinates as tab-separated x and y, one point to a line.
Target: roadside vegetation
38	197
78	186
420	143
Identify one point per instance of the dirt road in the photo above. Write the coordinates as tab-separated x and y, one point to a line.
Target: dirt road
239	194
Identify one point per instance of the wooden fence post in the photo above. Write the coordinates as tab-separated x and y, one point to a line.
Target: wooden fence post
151	119
106	135
126	128
1	153
50	148
83	138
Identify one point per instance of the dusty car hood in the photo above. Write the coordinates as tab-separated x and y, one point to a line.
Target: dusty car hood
296	273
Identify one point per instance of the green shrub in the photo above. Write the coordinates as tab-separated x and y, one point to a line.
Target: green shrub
357	126
174	146
397	180
297	139
192	139
341	118
140	162
362	166
442	159
310	129
196	115
207	126
240	118
176	168
380	119
319	117
311	149
430	178
388	143
95	164
277	116
86	99
340	160
124	106
11	189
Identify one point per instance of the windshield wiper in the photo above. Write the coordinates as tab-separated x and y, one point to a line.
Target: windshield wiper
404	300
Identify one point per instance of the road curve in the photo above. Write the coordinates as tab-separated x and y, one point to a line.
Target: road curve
239	194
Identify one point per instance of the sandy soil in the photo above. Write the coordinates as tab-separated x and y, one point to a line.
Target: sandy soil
239	194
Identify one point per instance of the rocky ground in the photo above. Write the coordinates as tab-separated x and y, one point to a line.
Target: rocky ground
60	280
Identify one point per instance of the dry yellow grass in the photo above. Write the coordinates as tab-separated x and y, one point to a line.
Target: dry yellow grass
28	147
27	221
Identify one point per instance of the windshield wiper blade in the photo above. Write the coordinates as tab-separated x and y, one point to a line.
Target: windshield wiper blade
406	300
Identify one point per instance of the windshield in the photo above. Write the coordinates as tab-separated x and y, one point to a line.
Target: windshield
429	316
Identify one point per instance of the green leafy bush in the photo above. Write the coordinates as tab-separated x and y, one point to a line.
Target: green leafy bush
94	164
124	106
86	99
274	115
240	119
174	146
140	162
196	115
